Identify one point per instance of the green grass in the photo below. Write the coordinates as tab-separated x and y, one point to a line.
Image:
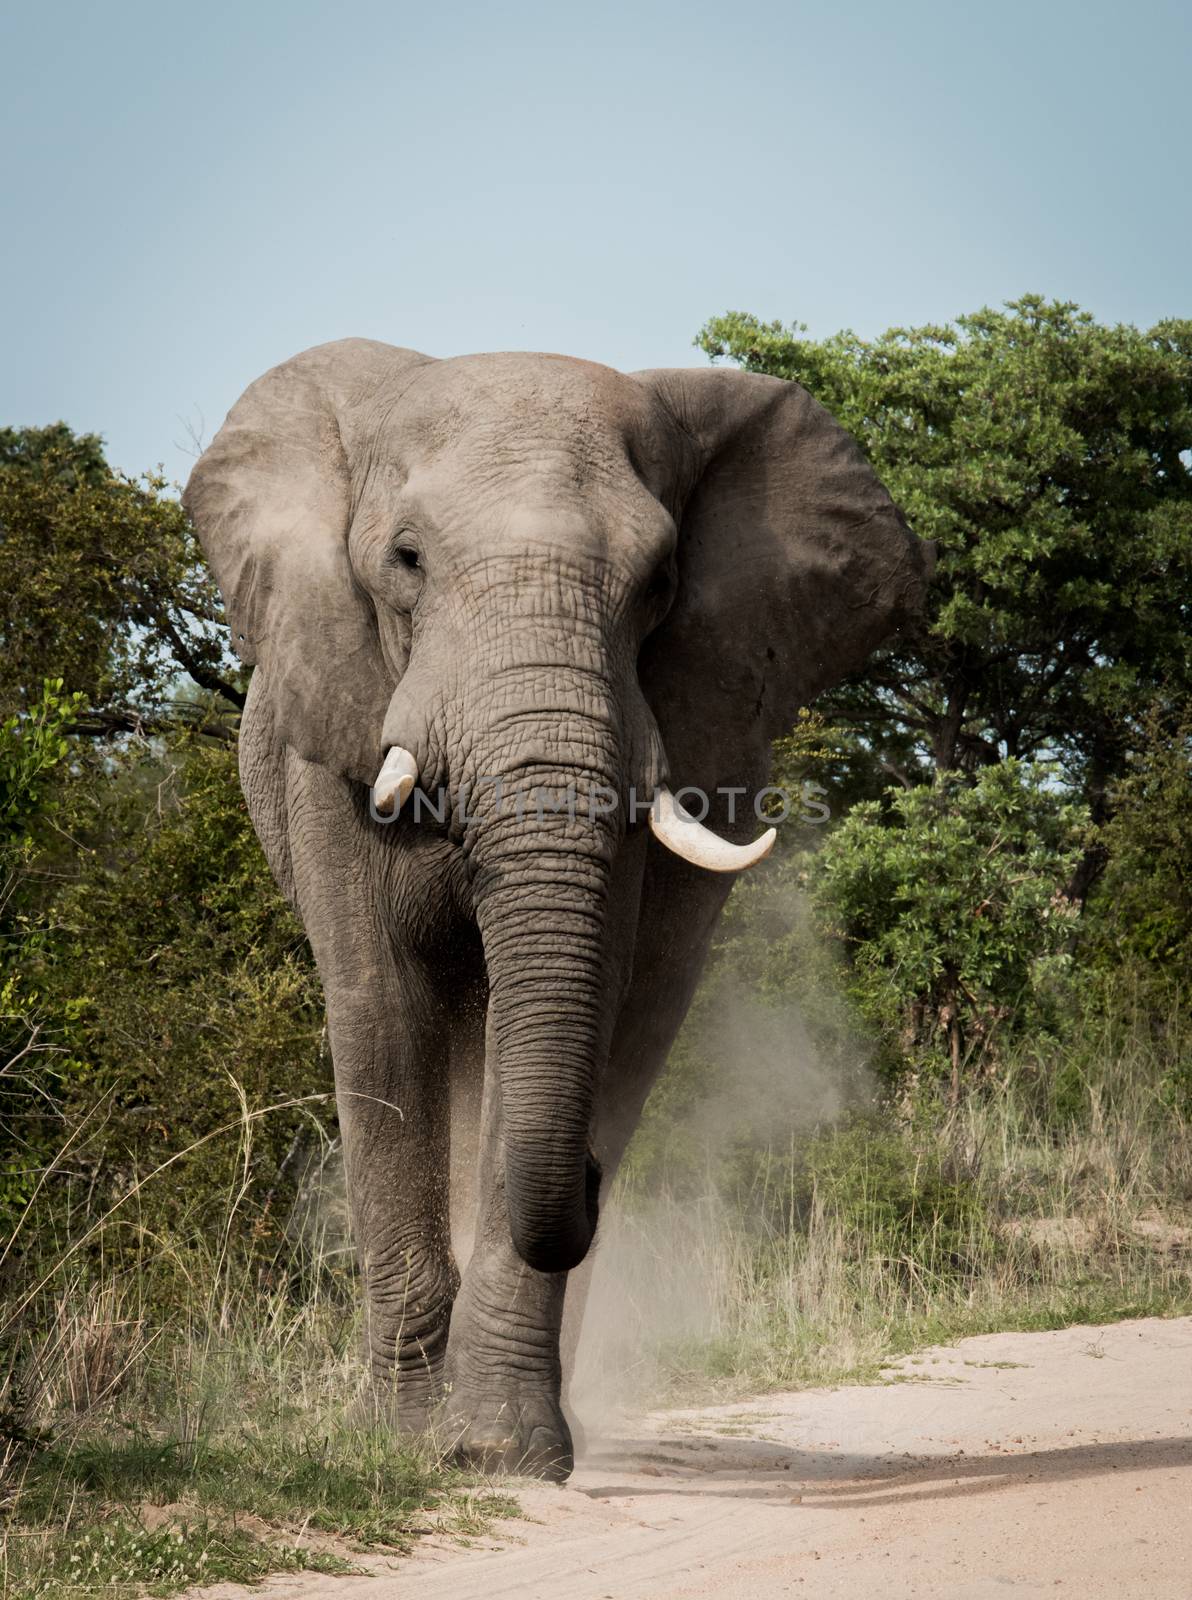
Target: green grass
96	1509
114	1552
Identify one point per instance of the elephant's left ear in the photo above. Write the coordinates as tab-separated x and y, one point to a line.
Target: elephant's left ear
794	565
271	500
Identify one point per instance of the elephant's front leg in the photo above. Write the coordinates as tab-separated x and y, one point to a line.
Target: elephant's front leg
502	1409
391	1087
389	1044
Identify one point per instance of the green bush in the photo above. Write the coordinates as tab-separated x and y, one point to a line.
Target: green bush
1140	916
951	902
33	749
176	1000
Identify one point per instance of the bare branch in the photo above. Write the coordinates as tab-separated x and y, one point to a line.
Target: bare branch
194	434
203	675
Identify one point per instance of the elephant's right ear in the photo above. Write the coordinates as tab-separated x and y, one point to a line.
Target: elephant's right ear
271	500
794	566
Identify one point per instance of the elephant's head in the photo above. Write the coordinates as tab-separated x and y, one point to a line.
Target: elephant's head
539	570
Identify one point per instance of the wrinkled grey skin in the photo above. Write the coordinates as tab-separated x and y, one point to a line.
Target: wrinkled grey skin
621	580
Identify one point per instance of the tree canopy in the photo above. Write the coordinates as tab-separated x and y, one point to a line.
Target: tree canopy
102	585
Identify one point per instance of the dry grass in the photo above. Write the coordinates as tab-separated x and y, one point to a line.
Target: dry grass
870	1240
172	1411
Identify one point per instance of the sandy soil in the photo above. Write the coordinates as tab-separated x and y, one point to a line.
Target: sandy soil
1025	1464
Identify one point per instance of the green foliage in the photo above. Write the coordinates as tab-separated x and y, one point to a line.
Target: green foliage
73	459
1050	458
954	909
170	981
1142	911
156	996
101	585
31	746
32	749
1136	935
824	768
1047	455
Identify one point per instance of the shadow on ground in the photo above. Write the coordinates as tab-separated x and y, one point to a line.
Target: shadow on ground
847	1481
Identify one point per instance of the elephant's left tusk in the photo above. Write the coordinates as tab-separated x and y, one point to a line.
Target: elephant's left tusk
395	781
680	832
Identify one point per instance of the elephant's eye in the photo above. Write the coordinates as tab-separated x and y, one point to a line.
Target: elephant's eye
406	556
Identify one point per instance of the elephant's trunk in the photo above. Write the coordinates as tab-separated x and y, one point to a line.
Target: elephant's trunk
541	891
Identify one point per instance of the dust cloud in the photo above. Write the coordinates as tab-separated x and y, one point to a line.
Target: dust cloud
672	1251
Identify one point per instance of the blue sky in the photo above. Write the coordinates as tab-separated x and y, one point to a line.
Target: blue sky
195	192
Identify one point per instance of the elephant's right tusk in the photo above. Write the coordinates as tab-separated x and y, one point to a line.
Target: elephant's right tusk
680	832
395	781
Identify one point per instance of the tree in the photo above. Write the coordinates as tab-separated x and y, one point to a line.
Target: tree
101	585
953	907
1048	456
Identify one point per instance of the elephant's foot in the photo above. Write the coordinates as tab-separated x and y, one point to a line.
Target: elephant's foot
524	1433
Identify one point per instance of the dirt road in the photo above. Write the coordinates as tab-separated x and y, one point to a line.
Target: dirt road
1025	1464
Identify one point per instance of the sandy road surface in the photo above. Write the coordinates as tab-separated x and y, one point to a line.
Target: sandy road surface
1015	1464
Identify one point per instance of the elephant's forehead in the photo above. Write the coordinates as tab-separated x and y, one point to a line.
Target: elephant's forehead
483	400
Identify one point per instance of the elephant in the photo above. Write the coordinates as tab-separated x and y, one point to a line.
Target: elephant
533	574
